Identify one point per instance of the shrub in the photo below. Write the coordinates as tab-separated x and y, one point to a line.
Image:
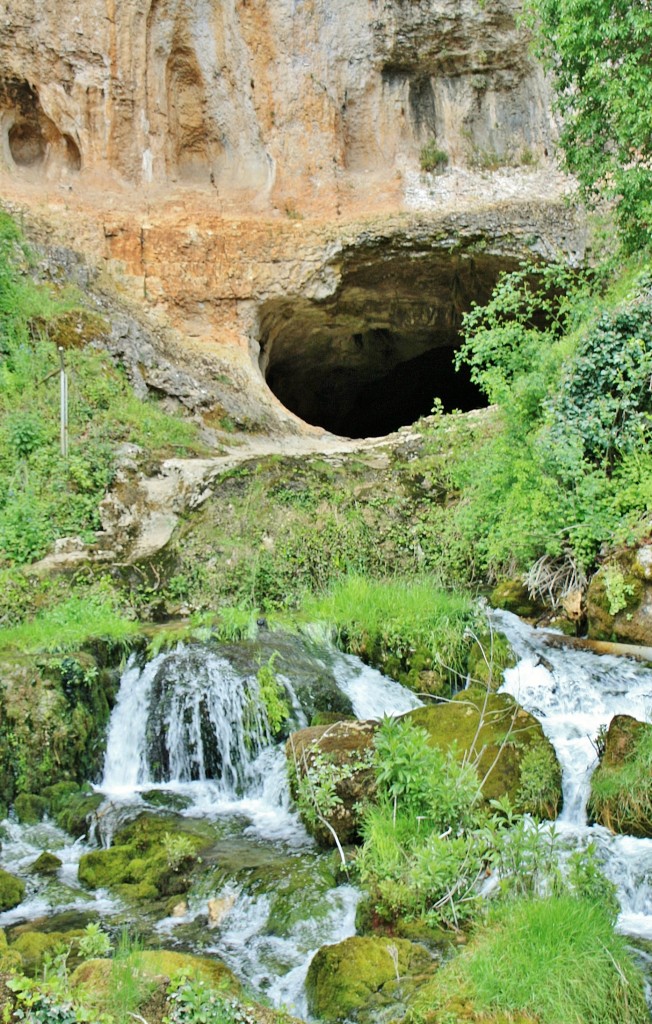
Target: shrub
432	158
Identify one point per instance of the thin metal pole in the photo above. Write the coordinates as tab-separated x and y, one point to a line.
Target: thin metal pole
63	380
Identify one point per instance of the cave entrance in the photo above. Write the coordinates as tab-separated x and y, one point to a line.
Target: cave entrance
374	356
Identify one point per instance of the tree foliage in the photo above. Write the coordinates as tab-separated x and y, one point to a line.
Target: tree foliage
598	52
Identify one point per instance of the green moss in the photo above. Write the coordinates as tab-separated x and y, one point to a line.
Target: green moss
46	864
361	974
504	724
12	890
74	812
621	786
29	808
488	659
513	596
137	865
35	947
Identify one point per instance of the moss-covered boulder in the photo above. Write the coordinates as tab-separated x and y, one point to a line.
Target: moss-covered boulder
619	599
331	774
10	960
12	890
53	716
94	979
355	979
35	947
30	808
621	785
513	596
151	858
513	757
45	864
75	812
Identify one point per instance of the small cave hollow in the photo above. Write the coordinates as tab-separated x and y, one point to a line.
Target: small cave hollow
374	356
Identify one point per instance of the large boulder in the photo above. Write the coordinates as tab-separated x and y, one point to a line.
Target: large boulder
621	786
357	978
12	890
505	742
331	776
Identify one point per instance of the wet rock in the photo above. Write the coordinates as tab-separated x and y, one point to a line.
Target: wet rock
621	787
339	752
513	596
218	910
512	756
46	864
12	890
358	978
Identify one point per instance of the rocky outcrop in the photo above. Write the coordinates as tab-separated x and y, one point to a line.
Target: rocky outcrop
247	177
619	598
265	99
621	789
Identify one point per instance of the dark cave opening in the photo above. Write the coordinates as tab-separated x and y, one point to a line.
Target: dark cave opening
374	356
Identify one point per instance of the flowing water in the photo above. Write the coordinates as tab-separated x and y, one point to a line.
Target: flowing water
190	725
574	694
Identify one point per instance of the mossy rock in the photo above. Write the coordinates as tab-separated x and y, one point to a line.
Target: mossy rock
488	659
12	890
169	801
45	864
353	979
345	746
138	867
30	808
513	596
619	604
59	795
74	812
10	960
621	785
329	718
35	947
525	752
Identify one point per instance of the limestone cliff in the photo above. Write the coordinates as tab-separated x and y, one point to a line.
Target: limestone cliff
216	157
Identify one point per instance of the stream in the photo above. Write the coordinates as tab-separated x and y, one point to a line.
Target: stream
188	731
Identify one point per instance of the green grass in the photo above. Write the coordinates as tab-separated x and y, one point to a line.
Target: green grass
557	958
69	624
408	627
43	495
621	795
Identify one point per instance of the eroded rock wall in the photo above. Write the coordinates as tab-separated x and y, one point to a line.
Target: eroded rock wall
257	96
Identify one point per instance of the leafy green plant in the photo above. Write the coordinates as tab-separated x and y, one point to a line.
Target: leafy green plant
432	158
179	849
194	1002
597	54
94	942
272	695
617	590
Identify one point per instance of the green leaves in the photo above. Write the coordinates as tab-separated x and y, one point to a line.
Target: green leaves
598	54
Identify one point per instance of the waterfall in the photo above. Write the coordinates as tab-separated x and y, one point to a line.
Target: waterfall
574	694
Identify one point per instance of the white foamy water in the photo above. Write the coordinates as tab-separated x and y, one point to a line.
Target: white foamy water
573	694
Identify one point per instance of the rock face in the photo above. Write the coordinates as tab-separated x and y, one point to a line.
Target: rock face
221	163
264	97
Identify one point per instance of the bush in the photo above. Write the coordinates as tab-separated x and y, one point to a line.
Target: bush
432	158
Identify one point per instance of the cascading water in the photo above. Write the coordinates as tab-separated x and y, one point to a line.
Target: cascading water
574	694
191	722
